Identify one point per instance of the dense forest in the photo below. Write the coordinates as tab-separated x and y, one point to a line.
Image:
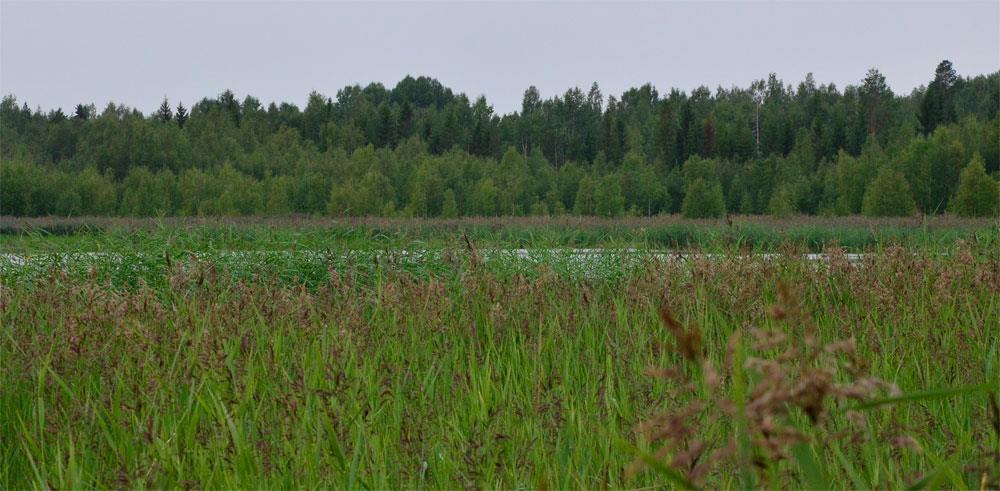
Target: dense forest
419	149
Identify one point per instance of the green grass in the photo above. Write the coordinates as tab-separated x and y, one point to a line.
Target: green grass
180	235
448	372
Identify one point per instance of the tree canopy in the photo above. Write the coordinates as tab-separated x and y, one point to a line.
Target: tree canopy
421	149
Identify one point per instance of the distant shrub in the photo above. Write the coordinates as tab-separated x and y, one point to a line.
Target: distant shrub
978	194
782	203
703	200
96	192
888	196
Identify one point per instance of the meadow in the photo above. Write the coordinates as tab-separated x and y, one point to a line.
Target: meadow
335	355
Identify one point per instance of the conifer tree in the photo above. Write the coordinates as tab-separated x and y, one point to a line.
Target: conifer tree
83	112
938	105
875	98
182	114
164	114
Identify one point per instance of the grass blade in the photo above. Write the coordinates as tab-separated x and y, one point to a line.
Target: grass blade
812	470
654	463
925	396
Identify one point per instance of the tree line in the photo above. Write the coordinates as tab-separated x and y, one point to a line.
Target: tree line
419	149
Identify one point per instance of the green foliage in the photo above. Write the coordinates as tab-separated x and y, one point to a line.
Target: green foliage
888	195
449	206
608	198
978	193
641	186
782	202
97	192
938	103
850	177
932	166
418	203
810	149
703	200
276	195
586	196
145	194
19	189
367	196
697	167
483	201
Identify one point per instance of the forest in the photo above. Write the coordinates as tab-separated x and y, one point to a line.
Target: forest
421	150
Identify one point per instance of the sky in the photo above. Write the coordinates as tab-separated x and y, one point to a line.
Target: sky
58	54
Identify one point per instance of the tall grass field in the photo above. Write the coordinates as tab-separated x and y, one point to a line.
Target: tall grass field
296	353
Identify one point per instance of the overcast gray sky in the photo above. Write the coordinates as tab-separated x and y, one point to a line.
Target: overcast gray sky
57	54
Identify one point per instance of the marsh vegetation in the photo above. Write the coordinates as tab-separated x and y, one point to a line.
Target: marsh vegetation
464	372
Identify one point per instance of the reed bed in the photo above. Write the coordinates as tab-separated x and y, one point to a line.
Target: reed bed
717	373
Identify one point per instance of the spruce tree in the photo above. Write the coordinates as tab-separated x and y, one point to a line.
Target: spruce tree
938	105
83	112
182	115
164	114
